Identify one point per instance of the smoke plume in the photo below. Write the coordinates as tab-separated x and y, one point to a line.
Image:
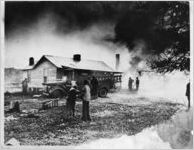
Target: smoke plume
42	37
96	30
130	22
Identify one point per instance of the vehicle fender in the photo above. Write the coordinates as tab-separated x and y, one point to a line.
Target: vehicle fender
57	88
103	87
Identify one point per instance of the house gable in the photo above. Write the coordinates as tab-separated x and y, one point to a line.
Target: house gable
43	71
43	59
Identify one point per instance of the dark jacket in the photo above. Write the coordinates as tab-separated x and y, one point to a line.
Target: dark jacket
94	83
72	95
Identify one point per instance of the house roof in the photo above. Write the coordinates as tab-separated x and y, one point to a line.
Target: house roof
84	64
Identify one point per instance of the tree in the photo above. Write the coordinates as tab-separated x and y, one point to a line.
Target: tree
164	26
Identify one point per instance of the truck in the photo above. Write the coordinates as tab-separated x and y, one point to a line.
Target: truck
106	82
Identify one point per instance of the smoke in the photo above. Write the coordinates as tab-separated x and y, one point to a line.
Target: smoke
42	38
170	86
131	23
69	16
66	28
159	87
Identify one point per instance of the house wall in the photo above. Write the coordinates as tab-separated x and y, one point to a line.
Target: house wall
77	75
63	74
44	70
59	74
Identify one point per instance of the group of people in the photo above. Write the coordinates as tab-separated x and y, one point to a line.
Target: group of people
89	90
130	84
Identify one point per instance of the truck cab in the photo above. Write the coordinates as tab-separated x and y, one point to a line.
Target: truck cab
106	82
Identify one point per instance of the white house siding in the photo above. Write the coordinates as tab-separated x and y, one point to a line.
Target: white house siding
36	76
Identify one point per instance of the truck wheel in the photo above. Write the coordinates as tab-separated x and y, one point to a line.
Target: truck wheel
103	92
57	94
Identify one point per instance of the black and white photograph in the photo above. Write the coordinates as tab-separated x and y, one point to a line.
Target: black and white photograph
96	74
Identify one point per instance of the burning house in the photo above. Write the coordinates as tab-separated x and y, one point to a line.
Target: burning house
50	69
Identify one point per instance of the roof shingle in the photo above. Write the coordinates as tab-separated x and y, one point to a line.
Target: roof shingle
84	64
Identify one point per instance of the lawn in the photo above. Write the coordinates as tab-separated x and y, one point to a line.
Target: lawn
53	127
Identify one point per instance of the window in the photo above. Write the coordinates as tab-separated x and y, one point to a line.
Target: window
45	79
45	74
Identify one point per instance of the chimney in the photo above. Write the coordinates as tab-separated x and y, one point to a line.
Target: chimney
31	61
77	57
117	61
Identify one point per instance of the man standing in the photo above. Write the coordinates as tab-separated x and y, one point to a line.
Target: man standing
188	94
71	99
25	86
94	87
130	83
86	99
137	83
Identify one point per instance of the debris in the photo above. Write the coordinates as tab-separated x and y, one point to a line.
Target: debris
23	115
33	111
45	94
36	96
13	142
32	116
24	111
108	120
9	118
14	107
11	104
50	104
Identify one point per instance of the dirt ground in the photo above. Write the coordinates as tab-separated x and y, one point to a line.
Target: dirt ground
120	113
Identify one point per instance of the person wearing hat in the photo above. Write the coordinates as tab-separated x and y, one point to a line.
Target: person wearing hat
71	100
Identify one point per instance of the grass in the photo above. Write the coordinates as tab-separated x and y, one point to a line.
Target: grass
53	127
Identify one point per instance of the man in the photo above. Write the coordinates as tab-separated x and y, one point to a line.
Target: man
71	99
25	86
94	87
86	99
137	83
188	93
130	83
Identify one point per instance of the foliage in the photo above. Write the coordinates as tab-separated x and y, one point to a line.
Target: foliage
164	26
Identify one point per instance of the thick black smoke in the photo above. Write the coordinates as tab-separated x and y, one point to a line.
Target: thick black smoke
132	21
70	16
